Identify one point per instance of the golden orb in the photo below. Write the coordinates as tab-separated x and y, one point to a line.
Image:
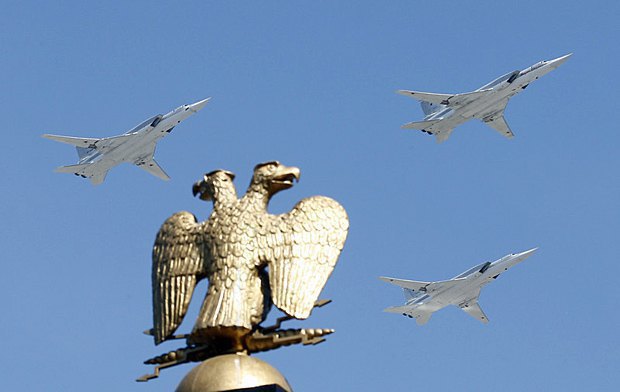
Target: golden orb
231	372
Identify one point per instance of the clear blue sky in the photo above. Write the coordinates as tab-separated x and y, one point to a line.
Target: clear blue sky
312	84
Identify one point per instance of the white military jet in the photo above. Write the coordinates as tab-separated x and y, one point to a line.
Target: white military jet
444	112
136	146
425	298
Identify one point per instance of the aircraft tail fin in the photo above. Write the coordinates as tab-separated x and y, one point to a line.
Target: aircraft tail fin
409	294
430	108
83	151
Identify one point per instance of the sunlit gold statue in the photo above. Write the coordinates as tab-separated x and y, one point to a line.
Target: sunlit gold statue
251	259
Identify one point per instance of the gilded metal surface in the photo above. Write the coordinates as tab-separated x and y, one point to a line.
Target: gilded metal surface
231	372
251	259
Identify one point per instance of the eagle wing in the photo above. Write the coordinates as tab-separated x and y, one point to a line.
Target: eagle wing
302	249
179	262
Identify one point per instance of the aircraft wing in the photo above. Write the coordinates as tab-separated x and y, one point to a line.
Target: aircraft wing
450	100
495	119
500	125
428	287
474	310
406	284
437	99
147	163
89	142
75	141
153	167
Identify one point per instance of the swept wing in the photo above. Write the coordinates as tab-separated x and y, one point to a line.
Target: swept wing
98	144
148	164
494	117
450	100
406	284
500	125
428	287
474	310
153	167
472	307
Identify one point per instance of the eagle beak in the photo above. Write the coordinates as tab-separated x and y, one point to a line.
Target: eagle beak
283	178
200	188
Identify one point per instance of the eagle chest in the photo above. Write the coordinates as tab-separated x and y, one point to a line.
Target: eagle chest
233	244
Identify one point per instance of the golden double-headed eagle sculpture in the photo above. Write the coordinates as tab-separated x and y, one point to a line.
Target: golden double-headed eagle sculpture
251	258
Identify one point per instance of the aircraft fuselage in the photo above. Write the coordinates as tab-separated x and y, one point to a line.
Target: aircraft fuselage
425	298
139	139
501	89
136	146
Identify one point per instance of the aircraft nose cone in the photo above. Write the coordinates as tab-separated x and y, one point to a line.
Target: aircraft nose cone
524	255
559	61
198	105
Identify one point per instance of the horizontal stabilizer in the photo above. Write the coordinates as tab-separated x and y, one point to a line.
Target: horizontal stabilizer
98	178
423	318
474	310
397	309
72	168
443	135
406	284
154	168
74	141
420	125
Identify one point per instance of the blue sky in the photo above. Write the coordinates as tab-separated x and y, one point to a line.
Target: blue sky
312	85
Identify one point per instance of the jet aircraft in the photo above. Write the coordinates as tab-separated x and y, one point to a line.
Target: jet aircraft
444	112
425	298
136	146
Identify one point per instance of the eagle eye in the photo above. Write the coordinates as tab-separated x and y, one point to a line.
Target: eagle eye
270	165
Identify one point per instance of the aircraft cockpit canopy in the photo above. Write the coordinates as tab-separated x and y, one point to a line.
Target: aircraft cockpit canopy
471	271
153	121
500	80
533	67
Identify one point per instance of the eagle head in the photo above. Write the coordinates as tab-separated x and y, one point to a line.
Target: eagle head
213	183
274	177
